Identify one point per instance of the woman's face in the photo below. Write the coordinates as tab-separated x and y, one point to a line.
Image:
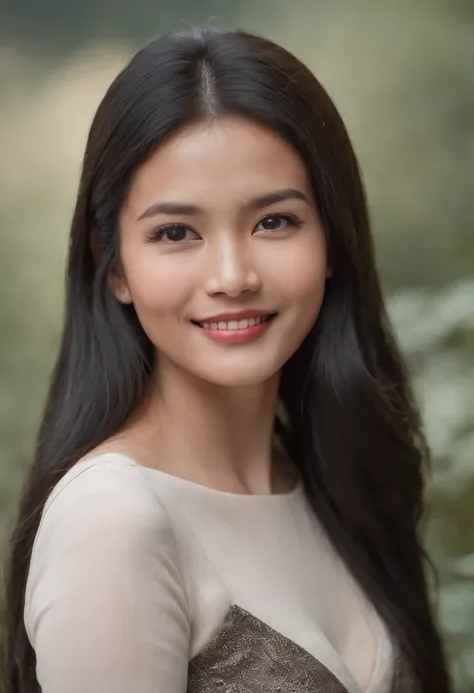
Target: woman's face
223	253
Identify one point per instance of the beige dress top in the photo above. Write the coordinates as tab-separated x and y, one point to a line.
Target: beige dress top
136	573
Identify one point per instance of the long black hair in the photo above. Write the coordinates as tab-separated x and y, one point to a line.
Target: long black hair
352	427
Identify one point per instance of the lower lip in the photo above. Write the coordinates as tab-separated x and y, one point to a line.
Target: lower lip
246	334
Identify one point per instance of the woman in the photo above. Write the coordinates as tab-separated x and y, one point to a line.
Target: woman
228	478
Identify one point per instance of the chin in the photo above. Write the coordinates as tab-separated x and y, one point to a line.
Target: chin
243	377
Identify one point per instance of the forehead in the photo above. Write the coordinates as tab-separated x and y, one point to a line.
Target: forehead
219	161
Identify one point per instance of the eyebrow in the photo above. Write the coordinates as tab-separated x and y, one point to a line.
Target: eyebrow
252	205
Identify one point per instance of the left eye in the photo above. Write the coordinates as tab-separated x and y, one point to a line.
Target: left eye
174	234
277	222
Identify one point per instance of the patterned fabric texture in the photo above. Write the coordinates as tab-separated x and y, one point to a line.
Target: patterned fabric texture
248	656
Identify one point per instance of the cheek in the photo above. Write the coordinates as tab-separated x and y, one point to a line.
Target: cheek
302	268
159	286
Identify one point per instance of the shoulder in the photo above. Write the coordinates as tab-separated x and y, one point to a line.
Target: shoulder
110	477
102	517
105	572
104	495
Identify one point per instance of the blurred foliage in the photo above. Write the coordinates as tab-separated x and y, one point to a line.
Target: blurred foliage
63	26
436	330
401	74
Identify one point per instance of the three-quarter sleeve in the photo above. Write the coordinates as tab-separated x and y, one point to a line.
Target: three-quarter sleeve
105	605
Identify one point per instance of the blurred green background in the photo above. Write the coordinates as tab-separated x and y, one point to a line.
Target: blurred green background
402	75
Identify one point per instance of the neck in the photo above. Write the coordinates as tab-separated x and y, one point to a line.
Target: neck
218	436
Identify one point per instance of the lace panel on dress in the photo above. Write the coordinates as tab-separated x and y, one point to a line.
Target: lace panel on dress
248	656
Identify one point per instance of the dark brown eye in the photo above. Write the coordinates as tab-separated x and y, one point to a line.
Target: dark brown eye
271	223
278	222
175	233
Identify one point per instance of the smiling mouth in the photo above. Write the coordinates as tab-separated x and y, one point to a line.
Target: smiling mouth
233	325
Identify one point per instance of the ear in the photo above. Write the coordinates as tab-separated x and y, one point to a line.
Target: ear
117	282
119	287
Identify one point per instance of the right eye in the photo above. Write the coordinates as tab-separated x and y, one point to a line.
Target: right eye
174	233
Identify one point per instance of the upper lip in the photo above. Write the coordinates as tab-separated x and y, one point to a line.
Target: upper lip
240	315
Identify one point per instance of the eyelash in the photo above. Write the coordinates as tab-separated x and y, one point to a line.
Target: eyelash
291	219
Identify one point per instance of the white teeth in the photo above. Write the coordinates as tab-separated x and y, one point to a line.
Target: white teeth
235	324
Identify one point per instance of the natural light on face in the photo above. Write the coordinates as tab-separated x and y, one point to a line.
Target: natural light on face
223	252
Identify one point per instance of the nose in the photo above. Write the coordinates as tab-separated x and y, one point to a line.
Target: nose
230	270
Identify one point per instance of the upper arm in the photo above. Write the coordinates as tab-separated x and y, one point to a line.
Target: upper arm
106	607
